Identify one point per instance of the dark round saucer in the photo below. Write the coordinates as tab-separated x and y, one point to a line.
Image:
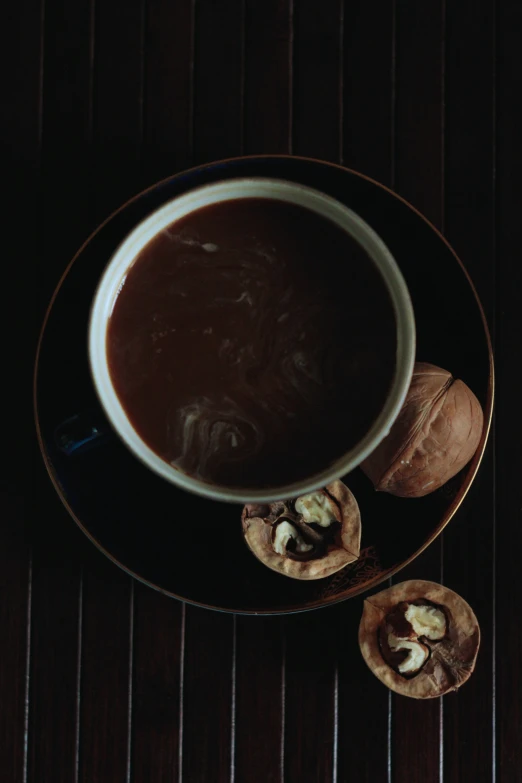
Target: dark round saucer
192	548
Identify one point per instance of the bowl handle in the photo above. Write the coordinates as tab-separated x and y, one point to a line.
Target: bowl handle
81	432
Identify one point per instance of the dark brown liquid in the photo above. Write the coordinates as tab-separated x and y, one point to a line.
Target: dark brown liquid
252	344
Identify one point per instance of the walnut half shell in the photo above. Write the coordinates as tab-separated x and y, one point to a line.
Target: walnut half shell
419	638
310	537
434	436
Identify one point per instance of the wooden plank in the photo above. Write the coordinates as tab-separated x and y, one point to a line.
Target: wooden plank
168	77
509	392
363	706
55	645
57	544
419	106
260	680
106	668
369	78
15	635
20	133
469	222
67	115
107	632
158	677
268	76
218	80
117	105
208	696
317	72
311	660
20	138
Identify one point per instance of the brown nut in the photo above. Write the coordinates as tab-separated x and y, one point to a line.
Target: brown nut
308	538
436	433
419	638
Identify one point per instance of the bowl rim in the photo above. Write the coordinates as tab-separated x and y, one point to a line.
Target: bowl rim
129	250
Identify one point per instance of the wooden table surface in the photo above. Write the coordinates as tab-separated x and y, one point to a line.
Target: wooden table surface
103	680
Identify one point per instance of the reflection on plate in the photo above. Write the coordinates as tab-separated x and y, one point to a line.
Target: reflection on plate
190	547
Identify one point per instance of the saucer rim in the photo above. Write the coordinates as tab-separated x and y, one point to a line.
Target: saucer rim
450	511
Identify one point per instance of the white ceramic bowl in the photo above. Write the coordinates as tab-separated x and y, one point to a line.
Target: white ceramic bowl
258	187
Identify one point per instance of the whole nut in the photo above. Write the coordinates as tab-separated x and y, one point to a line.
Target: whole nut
310	537
419	638
435	435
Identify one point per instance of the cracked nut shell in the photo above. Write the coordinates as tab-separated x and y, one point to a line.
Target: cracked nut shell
451	650
435	435
310	537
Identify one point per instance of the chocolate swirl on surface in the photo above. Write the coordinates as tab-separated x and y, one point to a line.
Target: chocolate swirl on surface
252	343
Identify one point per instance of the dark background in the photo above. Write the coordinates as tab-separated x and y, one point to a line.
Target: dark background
101	679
